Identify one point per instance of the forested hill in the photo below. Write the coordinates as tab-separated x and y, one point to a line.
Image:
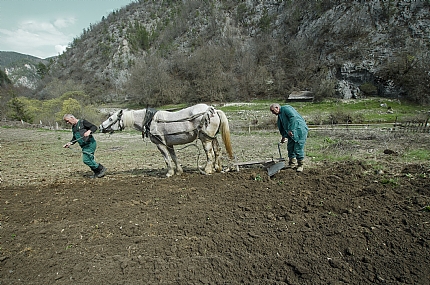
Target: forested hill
160	52
9	57
22	69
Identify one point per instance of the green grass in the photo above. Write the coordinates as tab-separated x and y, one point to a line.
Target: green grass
173	107
361	111
369	110
256	105
390	181
417	155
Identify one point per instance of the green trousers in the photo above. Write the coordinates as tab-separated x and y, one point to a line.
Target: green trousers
296	149
88	151
88	147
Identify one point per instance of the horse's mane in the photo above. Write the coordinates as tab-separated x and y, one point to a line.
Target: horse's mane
128	118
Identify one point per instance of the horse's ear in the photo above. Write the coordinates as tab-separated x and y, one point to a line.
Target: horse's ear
120	112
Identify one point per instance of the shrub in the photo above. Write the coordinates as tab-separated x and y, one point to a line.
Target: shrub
339	117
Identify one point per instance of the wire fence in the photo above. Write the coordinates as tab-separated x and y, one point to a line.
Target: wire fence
416	126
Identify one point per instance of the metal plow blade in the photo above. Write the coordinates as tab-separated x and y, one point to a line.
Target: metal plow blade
273	169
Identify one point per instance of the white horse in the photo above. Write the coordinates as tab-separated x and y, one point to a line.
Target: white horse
167	129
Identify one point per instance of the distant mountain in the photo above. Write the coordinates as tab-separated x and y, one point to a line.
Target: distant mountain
8	58
22	69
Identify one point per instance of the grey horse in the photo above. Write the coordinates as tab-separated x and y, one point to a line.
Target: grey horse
166	129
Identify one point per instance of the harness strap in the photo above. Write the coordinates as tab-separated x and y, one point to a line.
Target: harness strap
118	119
181	120
203	122
206	135
158	137
149	114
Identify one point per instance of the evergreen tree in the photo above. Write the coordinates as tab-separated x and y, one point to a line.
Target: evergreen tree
4	80
18	110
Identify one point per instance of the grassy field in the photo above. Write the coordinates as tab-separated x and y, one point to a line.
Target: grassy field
29	151
36	155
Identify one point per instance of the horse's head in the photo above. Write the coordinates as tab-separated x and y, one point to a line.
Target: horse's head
113	123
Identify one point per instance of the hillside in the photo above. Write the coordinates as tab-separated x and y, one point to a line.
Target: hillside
22	69
162	52
8	58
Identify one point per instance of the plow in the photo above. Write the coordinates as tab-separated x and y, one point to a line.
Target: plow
273	165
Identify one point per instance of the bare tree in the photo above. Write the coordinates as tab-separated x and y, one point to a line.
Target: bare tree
151	84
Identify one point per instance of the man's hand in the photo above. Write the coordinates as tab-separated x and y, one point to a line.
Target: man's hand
67	145
87	133
283	140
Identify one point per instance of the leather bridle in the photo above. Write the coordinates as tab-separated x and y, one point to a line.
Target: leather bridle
118	119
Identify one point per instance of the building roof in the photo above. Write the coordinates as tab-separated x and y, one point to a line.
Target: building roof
301	96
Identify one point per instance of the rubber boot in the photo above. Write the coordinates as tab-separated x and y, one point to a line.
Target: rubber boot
96	172
100	171
292	162
299	166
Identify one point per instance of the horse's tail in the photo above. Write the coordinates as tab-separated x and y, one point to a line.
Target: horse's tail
225	132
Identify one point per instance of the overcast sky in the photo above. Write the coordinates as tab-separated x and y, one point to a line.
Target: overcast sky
44	28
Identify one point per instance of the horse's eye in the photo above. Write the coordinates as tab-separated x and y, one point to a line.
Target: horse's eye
110	119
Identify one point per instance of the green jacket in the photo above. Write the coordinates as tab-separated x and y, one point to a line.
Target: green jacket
290	120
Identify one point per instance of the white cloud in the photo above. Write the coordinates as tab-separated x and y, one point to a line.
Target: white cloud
38	38
60	49
64	22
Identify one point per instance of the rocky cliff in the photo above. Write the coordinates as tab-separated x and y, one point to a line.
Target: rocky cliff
230	50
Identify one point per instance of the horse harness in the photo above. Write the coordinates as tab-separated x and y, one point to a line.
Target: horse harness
118	119
146	125
150	113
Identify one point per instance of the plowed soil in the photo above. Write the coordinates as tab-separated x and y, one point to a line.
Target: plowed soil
335	223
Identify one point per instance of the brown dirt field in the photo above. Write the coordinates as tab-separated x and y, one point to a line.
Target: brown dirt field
335	223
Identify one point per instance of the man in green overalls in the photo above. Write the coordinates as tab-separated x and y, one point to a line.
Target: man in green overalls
82	133
294	129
